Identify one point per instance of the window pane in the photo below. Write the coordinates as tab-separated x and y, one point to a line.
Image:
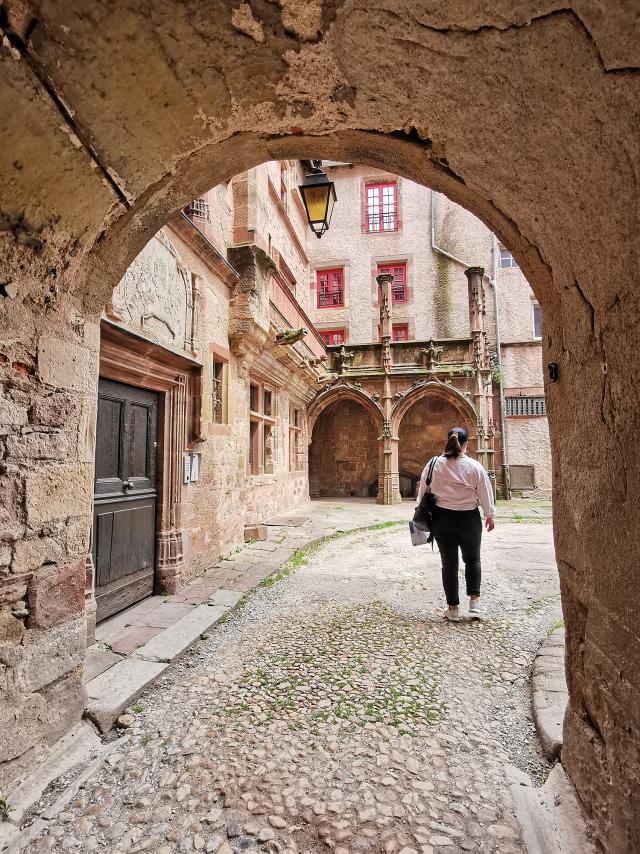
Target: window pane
537	321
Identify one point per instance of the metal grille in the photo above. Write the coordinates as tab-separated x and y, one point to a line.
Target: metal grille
534	405
198	208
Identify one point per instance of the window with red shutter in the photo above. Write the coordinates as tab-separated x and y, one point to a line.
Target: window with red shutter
399	286
333	337
400	332
381	207
330	288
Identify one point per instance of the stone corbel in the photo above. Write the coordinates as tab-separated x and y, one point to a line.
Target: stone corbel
249	318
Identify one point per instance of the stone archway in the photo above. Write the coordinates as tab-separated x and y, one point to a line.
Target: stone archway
422	423
344	451
85	184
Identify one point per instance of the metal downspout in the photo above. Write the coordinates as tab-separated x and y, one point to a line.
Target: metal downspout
503	432
434	245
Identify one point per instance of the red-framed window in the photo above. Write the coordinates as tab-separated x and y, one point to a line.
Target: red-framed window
330	288
381	207
400	332
333	337
399	284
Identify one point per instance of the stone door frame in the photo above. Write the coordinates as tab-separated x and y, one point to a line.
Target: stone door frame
132	359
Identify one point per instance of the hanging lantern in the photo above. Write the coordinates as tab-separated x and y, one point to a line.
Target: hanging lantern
319	196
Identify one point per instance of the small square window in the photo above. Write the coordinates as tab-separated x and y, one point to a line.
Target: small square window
330	288
507	259
399	284
218	393
400	332
333	337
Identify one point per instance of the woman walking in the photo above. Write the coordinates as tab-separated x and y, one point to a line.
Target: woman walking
458	483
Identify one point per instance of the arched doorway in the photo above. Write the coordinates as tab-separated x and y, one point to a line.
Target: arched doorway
422	434
85	185
343	457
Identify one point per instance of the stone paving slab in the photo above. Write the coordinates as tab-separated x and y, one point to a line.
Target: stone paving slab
549	693
168	645
111	691
97	660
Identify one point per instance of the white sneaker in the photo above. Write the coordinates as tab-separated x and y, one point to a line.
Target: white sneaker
452	614
476	610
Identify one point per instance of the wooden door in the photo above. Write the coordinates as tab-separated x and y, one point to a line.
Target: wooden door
124	496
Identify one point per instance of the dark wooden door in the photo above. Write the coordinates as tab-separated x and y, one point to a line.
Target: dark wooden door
124	496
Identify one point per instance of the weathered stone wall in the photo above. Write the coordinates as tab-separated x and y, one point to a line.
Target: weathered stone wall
46	486
343	456
92	167
423	434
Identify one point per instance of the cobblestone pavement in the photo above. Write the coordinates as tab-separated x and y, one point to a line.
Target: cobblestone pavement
337	710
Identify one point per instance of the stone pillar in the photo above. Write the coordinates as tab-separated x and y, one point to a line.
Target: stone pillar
482	396
388	479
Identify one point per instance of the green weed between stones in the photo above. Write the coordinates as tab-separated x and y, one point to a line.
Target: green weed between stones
5	808
301	557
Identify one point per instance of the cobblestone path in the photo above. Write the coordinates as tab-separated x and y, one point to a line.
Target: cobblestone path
336	710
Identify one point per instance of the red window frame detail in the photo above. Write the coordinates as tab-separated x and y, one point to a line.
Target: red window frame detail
400	332
330	288
330	335
381	207
399	285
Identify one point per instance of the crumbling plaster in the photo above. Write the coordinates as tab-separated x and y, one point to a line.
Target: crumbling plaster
526	115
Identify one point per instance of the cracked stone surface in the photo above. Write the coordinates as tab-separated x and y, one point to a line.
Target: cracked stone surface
337	710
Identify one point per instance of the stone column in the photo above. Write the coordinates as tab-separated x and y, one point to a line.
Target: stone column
388	479
482	395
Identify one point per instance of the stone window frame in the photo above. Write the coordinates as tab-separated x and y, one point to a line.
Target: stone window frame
328	271
380	261
381	181
219	363
296	437
259	422
536	320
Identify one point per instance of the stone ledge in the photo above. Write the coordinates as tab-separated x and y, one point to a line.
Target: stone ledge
549	693
174	641
112	691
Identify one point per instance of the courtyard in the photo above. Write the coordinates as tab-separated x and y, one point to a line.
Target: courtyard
334	708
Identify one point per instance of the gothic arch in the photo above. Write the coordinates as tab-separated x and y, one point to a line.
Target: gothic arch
438	390
344	392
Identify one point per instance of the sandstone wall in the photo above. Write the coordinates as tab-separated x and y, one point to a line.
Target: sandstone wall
344	454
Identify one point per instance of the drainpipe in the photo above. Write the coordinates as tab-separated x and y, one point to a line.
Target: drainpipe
502	407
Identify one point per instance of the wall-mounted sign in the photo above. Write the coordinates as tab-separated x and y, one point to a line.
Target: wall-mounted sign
195	467
187	468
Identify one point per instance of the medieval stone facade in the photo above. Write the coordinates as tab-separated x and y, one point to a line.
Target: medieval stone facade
383	223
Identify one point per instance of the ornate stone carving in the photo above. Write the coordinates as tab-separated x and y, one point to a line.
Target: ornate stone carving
343	358
431	355
291	336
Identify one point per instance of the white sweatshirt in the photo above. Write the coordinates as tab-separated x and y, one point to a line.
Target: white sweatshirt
458	484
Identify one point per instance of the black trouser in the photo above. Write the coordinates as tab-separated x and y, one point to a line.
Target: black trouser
455	529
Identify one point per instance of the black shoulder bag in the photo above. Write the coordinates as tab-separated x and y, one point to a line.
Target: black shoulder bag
423	517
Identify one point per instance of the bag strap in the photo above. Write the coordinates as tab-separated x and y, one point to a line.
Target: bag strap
432	464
